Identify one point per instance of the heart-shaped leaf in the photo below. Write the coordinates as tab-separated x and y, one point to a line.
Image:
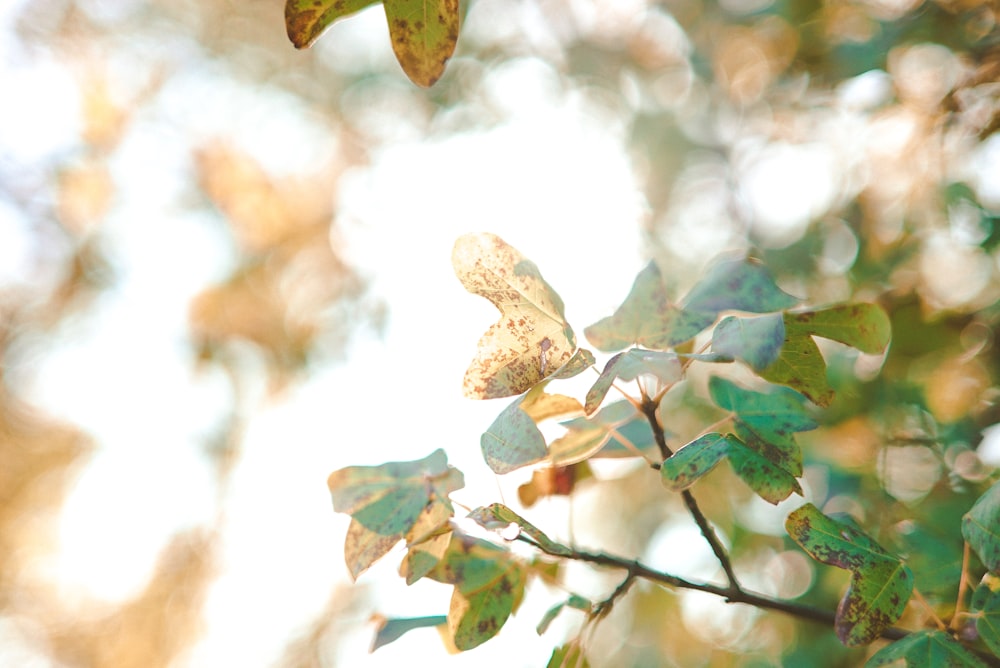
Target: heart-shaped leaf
532	339
739	285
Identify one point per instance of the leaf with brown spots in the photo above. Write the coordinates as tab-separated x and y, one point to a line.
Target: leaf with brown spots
424	34
305	20
881	584
532	339
391	502
769	480
489	585
800	364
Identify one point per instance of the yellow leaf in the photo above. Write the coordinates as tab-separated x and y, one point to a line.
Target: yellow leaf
532	339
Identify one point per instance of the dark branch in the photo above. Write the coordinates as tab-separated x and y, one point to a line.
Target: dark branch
649	408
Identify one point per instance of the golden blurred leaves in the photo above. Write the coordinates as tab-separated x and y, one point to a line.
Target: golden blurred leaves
291	278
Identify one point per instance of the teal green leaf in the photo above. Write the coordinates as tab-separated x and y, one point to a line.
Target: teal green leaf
498	516
305	20
862	326
628	366
390	630
574	601
647	318
757	341
512	441
424	34
769	480
390	502
926	649
986	606
531	340
881	584
981	527
740	285
694	460
489	586
766	421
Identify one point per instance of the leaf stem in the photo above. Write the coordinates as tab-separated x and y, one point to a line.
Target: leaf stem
649	409
963	584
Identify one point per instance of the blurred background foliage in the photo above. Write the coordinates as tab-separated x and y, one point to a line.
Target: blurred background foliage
850	143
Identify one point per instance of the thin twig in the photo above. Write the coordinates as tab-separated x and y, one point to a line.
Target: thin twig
649	410
963	584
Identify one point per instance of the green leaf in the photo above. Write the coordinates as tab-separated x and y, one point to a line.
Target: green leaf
691	462
532	339
629	365
422	557
390	630
569	655
646	318
926	649
766	421
305	20
801	366
424	34
740	285
499	516
390	502
986	605
862	326
694	460
489	585
881	584
770	481
513	440
981	527
757	341
574	601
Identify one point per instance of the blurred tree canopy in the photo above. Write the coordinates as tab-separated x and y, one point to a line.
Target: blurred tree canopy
852	145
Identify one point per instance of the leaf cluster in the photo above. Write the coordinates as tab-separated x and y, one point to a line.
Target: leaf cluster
735	313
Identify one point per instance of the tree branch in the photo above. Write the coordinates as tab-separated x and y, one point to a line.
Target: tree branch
649	409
